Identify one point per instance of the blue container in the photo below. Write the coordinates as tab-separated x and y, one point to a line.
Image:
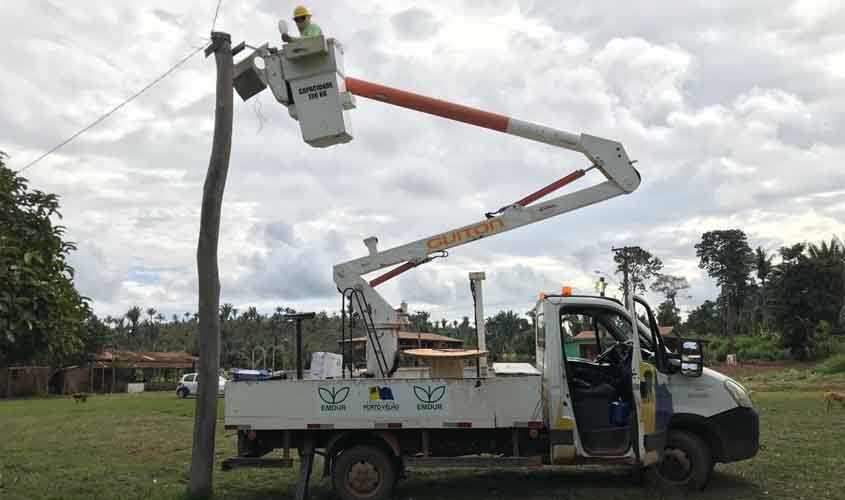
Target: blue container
619	412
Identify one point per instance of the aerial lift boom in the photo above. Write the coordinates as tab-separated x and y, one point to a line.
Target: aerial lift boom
308	77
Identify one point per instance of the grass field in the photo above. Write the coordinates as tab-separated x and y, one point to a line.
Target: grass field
138	447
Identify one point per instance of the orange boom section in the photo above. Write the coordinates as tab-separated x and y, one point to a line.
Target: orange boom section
428	105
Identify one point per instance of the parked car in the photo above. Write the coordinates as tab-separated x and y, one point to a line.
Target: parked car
188	385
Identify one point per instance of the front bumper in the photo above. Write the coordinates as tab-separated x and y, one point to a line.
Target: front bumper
739	433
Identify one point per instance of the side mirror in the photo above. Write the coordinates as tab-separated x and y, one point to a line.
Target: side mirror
692	358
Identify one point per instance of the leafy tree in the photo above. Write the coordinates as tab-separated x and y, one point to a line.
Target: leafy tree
508	332
42	316
670	286
667	314
420	321
807	289
703	320
727	258
642	266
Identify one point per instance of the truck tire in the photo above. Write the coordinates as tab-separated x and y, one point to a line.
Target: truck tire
183	393
363	473
687	462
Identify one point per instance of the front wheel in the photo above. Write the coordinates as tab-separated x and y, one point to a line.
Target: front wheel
363	473
687	462
183	392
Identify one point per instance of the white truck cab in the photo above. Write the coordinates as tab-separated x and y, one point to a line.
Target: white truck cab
693	415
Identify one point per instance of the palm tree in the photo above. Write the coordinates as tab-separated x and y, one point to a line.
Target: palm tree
763	268
762	265
134	316
826	251
151	312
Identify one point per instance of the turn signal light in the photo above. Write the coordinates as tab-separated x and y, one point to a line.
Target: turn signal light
566	291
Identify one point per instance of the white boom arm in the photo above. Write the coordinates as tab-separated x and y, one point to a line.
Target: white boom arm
607	156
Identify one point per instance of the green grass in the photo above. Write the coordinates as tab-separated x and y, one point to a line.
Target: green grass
138	447
794	380
832	365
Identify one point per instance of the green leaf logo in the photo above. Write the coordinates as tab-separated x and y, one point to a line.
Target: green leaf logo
334	395
428	394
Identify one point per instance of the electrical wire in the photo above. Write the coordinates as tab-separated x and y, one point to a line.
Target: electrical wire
216	12
113	110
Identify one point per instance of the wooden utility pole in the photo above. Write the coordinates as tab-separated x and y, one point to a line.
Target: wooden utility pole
205	420
624	251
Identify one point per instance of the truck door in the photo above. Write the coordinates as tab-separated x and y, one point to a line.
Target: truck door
656	398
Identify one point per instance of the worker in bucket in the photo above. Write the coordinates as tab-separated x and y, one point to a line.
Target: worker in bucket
302	18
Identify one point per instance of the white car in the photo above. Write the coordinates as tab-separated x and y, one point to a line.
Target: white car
188	385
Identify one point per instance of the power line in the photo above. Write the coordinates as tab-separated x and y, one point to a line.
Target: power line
216	11
114	109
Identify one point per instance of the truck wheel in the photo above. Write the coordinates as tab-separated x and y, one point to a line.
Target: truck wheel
687	461
363	473
183	393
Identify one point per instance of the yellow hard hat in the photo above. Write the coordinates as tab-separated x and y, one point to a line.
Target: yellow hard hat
300	11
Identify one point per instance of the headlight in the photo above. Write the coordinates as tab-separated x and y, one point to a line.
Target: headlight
738	393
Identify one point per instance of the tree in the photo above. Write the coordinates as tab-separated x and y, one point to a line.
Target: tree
420	322
134	317
806	289
509	333
763	270
727	258
43	318
670	286
762	265
667	314
703	320
641	267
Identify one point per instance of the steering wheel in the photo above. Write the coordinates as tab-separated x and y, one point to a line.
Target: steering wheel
616	354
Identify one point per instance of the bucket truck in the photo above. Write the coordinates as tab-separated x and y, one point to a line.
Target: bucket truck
637	401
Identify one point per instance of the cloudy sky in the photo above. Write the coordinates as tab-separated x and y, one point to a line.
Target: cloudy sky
734	111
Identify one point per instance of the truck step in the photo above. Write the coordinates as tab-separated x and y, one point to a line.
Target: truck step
261	463
470	462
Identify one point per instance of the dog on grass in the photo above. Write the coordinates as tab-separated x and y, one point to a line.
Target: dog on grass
80	397
830	397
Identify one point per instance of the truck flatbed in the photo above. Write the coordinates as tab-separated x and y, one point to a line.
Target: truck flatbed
362	403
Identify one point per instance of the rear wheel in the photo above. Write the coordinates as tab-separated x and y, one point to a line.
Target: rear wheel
687	461
363	473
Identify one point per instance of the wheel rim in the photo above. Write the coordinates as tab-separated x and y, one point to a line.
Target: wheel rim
363	478
676	465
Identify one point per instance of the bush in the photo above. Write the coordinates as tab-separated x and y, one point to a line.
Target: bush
759	348
833	364
830	346
763	347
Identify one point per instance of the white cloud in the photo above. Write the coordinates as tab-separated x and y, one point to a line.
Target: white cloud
733	111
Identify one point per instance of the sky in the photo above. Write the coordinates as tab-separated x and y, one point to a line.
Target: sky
733	111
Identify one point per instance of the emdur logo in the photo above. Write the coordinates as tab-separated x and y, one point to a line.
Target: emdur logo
429	397
333	398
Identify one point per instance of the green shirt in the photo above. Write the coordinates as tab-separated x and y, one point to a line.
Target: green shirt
311	30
